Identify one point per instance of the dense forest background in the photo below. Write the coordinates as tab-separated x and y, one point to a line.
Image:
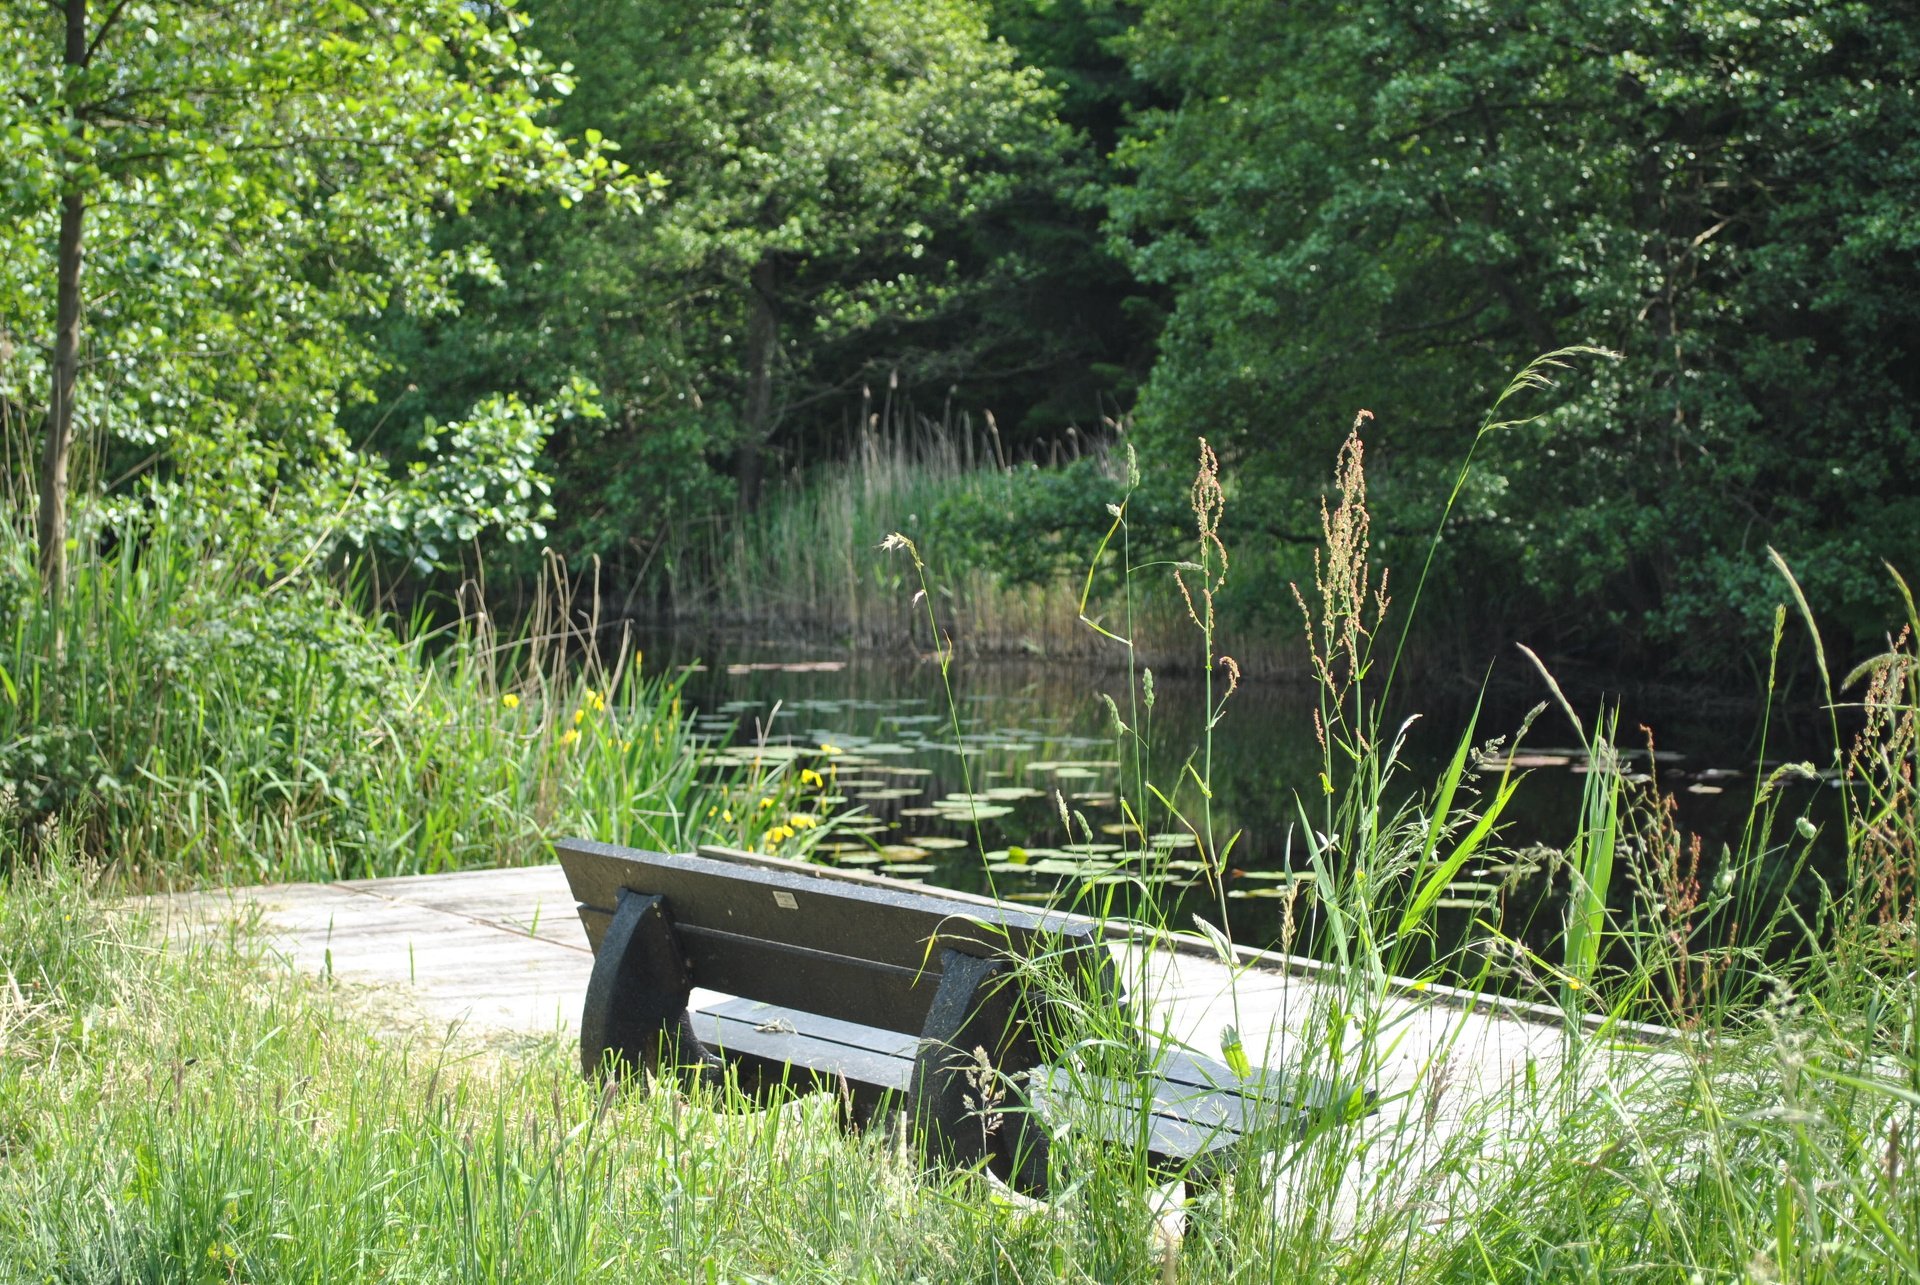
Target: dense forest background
387	280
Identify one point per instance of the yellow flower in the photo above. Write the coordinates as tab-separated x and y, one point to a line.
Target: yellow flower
510	700
626	746
809	777
595	701
713	812
801	821
830	749
569	736
579	715
676	708
727	816
765	804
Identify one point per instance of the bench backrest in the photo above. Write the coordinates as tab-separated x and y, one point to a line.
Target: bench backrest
850	951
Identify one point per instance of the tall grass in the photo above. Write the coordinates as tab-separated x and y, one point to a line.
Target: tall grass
198	722
800	564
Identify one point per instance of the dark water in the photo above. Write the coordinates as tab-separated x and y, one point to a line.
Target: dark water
1031	735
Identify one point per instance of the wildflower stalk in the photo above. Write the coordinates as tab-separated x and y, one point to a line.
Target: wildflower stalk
944	649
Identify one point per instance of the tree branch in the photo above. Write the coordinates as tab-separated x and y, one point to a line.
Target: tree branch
106	25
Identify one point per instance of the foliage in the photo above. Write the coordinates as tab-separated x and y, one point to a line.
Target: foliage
1759	1133
255	183
1391	204
828	164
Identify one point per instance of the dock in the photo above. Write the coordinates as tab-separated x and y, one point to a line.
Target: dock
500	954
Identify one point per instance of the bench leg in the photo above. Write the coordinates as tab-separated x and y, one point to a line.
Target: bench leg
636	1009
961	1107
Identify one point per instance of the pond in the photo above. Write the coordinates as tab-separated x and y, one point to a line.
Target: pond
968	794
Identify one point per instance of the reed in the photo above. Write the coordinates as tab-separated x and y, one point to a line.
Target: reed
800	563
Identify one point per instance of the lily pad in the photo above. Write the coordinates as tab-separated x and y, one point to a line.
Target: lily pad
976	811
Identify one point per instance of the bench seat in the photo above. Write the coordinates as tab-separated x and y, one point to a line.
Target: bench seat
890	997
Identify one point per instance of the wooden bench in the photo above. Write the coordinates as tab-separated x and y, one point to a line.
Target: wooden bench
894	998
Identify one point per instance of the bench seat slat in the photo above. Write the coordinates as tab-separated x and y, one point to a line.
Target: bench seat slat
755	1012
796	1048
1108	1110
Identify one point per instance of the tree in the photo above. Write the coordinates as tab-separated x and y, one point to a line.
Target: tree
218	197
827	163
1394	206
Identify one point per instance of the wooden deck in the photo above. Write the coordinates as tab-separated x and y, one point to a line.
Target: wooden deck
502	953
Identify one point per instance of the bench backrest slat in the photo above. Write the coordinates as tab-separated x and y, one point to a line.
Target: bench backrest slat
842	950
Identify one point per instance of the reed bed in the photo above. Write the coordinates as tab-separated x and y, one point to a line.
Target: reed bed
801	563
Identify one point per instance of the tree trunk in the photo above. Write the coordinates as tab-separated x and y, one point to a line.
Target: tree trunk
51	528
763	338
